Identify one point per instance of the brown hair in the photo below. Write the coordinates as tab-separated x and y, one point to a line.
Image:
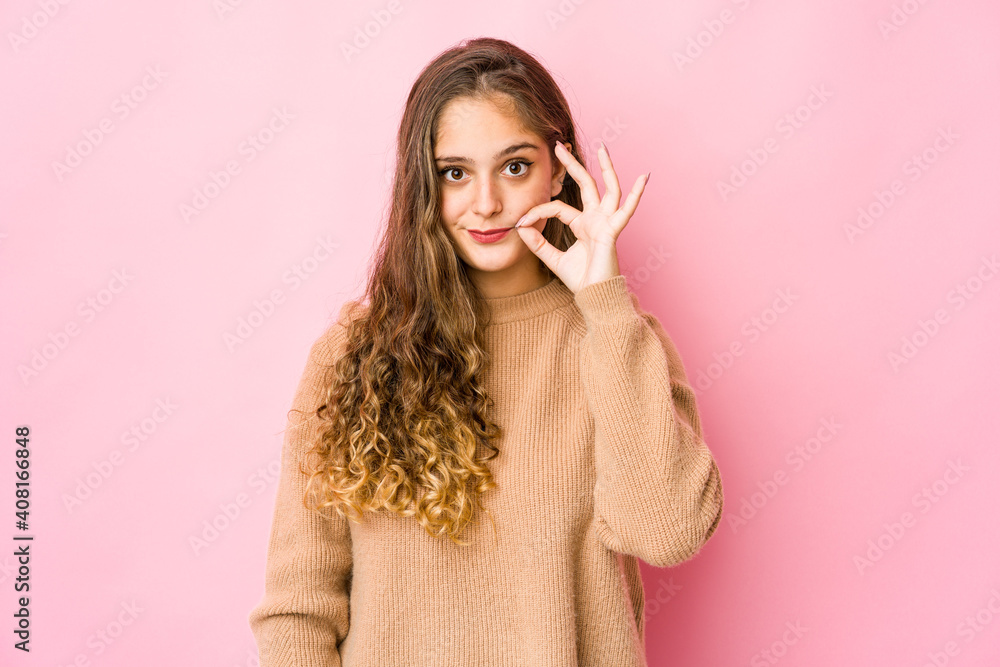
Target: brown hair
408	428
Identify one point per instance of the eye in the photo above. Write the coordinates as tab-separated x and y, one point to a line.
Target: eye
448	170
522	170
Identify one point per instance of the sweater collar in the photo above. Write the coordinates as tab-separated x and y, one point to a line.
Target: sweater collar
538	301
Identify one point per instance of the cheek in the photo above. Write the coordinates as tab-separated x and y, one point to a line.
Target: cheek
538	193
448	210
450	206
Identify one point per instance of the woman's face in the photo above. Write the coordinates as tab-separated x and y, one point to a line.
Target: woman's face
491	171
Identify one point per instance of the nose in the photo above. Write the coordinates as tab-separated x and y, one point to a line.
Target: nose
487	198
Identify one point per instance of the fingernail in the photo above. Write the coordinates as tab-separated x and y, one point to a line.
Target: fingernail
519	222
559	143
647	175
603	147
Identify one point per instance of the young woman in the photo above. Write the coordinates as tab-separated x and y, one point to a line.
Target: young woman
501	369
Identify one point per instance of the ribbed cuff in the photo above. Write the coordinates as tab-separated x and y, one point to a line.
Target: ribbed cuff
606	301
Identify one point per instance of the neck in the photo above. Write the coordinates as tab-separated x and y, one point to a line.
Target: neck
527	305
510	282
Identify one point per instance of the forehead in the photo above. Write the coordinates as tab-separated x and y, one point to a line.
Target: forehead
477	126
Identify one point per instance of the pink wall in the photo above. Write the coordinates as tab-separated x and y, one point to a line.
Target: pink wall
847	370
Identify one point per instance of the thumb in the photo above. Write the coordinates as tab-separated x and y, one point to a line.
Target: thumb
537	244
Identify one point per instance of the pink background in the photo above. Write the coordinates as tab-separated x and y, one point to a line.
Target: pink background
826	441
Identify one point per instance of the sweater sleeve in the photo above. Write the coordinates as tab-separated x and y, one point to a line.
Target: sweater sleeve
658	494
304	613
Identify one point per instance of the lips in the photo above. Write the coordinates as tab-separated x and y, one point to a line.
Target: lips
489	236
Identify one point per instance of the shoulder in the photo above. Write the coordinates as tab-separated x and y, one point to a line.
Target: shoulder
331	342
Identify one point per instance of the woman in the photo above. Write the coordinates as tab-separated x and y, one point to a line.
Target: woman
508	374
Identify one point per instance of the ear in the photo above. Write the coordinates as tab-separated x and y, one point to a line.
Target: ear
559	173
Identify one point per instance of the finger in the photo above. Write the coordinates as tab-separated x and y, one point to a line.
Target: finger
551	209
612	190
588	187
545	251
621	217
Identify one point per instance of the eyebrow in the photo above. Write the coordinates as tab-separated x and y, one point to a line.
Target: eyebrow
506	151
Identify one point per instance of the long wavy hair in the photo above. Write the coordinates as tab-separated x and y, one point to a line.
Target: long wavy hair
406	418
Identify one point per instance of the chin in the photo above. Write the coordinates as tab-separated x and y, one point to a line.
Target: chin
492	267
487	261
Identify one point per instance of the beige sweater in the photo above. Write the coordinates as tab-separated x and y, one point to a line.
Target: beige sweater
602	462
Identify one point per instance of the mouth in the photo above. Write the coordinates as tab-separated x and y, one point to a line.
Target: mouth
489	236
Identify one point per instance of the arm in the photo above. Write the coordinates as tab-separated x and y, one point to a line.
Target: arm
659	492
304	613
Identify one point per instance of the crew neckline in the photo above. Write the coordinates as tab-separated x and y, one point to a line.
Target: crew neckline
538	301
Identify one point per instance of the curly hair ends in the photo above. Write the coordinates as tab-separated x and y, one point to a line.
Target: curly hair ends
393	440
406	418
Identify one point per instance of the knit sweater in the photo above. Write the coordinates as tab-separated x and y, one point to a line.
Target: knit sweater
602	463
